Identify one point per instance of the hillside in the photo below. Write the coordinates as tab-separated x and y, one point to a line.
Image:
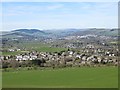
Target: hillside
36	33
29	31
24	33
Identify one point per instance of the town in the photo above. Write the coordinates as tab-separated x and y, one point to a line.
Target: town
85	50
59	45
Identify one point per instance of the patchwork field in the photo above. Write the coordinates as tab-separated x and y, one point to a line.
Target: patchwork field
83	77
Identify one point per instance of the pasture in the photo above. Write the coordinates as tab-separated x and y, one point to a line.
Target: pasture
13	53
82	77
49	49
40	47
34	46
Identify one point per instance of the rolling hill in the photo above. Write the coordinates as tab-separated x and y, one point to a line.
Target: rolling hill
36	33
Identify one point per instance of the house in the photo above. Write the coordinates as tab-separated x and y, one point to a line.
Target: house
70	52
33	56
1	57
90	46
78	56
19	57
18	49
11	50
84	58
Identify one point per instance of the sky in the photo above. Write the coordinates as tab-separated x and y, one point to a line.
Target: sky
58	15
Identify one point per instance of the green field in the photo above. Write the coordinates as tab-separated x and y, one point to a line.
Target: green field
83	77
49	49
13	53
41	47
35	46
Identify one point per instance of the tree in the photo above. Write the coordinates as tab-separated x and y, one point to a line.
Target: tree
5	64
38	62
14	64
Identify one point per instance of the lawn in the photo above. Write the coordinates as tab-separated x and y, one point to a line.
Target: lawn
83	77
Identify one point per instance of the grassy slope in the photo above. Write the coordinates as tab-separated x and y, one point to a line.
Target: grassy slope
98	77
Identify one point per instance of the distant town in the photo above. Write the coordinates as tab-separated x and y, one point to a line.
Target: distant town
65	48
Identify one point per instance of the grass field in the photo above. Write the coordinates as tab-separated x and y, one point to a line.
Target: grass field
83	77
38	47
49	49
41	47
13	53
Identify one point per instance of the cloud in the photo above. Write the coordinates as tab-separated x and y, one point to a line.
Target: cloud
54	7
59	15
29	8
106	7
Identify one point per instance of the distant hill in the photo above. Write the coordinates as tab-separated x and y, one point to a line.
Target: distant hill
62	32
24	33
15	35
29	31
101	32
57	33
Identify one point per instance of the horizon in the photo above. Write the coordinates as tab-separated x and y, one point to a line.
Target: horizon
55	29
59	15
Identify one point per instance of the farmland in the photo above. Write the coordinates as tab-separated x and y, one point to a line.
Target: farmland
78	60
40	47
13	53
83	77
49	49
59	45
34	46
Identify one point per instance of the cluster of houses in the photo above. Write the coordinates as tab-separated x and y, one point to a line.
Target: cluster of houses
68	58
10	50
25	57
